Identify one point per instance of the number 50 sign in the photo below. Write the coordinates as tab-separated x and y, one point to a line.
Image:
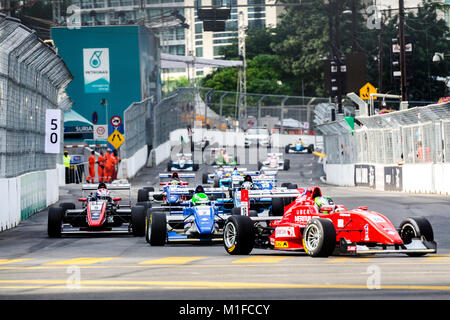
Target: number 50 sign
52	131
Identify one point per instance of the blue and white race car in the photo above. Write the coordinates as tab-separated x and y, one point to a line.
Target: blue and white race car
187	221
223	176
299	147
183	162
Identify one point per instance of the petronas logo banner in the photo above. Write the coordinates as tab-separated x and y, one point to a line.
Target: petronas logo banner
96	70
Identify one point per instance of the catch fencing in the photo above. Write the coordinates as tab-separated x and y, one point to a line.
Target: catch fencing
416	135
32	79
134	127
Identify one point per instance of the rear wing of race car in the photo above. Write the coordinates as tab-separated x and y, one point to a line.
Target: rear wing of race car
275	154
111	186
190	191
180	175
246	195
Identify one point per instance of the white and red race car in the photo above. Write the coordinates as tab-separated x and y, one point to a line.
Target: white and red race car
274	161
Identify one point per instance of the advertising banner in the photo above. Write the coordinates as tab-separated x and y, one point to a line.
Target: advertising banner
96	70
365	175
393	178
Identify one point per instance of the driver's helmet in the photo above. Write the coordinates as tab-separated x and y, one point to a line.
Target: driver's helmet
248	178
175	176
174	182
102	194
199	189
247	185
200	199
324	202
102	185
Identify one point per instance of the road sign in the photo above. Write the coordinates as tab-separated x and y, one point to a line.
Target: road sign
366	90
116	139
116	121
52	131
100	132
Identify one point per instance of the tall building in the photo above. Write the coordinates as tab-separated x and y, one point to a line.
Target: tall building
179	40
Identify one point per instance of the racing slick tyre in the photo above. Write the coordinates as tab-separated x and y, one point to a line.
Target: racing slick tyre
169	166
277	207
239	235
285	184
67	206
416	227
156	228
205	178
287	148
286	164
138	221
142	195
319	237
310	148
260	165
237	212
195	167
149	189
55	220
216	182
292	186
146	204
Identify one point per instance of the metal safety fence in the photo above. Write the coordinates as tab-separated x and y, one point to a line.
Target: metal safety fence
33	79
134	128
416	135
215	109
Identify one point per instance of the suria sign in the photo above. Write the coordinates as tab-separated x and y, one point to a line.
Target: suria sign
96	70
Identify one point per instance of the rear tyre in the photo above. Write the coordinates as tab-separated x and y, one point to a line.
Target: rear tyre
195	167
67	206
277	207
205	178
138	221
287	164
146	204
149	189
142	195
156	228
310	148
416	227
260	165
169	166
236	211
239	235
319	237
286	149
55	220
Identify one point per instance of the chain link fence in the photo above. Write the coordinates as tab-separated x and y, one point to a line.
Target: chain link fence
134	127
219	110
280	113
416	135
32	79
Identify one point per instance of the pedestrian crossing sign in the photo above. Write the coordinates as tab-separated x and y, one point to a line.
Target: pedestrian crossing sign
366	90
116	139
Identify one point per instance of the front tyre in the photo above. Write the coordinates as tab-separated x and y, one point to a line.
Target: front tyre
156	228
416	227
55	221
319	237
138	221
239	235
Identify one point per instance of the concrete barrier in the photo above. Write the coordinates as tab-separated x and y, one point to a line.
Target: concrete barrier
340	174
441	174
26	195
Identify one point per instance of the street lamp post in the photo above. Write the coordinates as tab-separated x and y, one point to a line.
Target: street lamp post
401	29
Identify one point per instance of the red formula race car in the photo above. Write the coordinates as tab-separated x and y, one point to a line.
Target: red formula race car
323	230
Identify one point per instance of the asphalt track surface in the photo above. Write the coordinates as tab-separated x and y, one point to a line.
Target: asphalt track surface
110	266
